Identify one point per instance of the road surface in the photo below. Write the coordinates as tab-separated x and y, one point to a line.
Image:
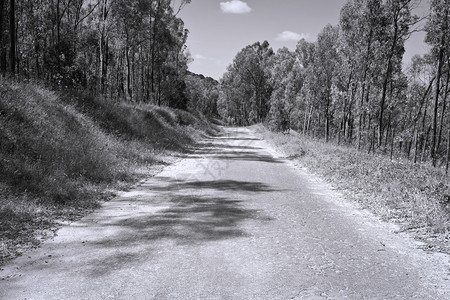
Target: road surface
232	220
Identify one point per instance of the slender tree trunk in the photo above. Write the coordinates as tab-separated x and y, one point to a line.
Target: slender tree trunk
438	81
12	34
159	89
58	30
308	125
129	90
392	142
444	106
387	76
133	76
372	141
340	131
408	148
425	143
436	104
416	145
153	51
120	79
2	47
142	74
327	120
448	152
305	121
363	92
103	48
147	83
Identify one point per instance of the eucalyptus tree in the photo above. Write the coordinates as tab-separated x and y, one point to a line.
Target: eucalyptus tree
398	17
283	95
246	84
359	27
304	106
325	67
438	37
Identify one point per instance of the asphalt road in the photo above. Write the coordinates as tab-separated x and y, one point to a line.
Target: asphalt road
233	220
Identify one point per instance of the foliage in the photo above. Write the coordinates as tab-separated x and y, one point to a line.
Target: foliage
203	93
245	92
350	85
130	50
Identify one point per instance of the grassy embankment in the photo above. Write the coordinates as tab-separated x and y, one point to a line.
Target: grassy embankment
416	196
61	155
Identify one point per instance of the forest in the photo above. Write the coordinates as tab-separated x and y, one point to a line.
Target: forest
350	86
133	51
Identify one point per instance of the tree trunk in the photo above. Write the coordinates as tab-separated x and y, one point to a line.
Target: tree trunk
388	75
327	120
159	89
142	75
363	92
2	47
128	89
133	76
444	106
308	125
382	106
408	149
438	81
147	83
416	145
436	104
100	67
448	152
12	34
305	121
425	142
392	143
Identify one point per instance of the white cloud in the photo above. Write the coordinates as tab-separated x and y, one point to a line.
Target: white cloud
235	7
286	36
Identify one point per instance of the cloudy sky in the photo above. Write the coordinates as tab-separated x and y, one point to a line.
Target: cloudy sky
221	28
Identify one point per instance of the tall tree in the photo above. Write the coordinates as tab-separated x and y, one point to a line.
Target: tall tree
247	82
437	36
325	65
399	19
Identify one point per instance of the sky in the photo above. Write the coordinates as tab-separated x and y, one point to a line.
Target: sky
219	29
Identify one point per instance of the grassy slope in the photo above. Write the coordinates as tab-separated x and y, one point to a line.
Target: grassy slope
415	196
61	155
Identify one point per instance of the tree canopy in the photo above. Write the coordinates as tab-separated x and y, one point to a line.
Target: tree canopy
350	85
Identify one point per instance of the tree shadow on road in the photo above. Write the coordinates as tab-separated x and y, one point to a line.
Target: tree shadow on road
184	218
193	219
190	220
224	155
169	184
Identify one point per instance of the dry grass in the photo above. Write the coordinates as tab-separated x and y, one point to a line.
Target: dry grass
62	154
416	196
